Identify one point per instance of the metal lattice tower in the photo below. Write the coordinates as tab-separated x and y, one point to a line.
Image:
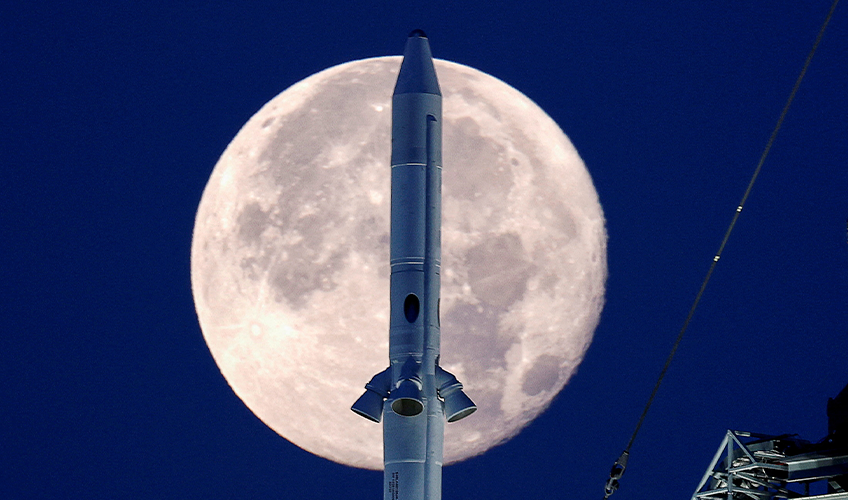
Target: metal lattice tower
761	467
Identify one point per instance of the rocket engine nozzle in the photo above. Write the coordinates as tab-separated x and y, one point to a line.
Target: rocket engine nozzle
457	404
370	404
407	400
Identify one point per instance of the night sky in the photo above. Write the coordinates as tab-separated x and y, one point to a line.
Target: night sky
114	114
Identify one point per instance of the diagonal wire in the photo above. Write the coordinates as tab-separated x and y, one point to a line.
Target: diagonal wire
618	469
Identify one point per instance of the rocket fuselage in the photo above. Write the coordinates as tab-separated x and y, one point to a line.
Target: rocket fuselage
412	445
419	395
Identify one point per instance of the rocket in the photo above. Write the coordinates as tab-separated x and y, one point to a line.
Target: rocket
414	396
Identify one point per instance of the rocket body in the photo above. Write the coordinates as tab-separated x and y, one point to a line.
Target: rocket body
412	444
419	395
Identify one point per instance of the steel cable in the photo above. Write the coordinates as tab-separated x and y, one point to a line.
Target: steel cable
621	463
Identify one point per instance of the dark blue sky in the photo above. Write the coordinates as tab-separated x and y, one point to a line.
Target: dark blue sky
114	116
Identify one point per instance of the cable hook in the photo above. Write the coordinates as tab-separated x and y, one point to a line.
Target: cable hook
615	474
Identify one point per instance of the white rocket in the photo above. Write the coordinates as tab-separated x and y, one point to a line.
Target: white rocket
421	395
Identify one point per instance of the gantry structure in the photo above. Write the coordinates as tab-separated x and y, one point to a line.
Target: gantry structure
762	467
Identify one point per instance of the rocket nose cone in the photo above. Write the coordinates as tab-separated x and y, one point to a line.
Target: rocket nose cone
417	73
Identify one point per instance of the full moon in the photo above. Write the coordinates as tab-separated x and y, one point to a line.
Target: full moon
290	258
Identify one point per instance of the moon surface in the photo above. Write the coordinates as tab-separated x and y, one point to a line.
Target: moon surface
290	258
